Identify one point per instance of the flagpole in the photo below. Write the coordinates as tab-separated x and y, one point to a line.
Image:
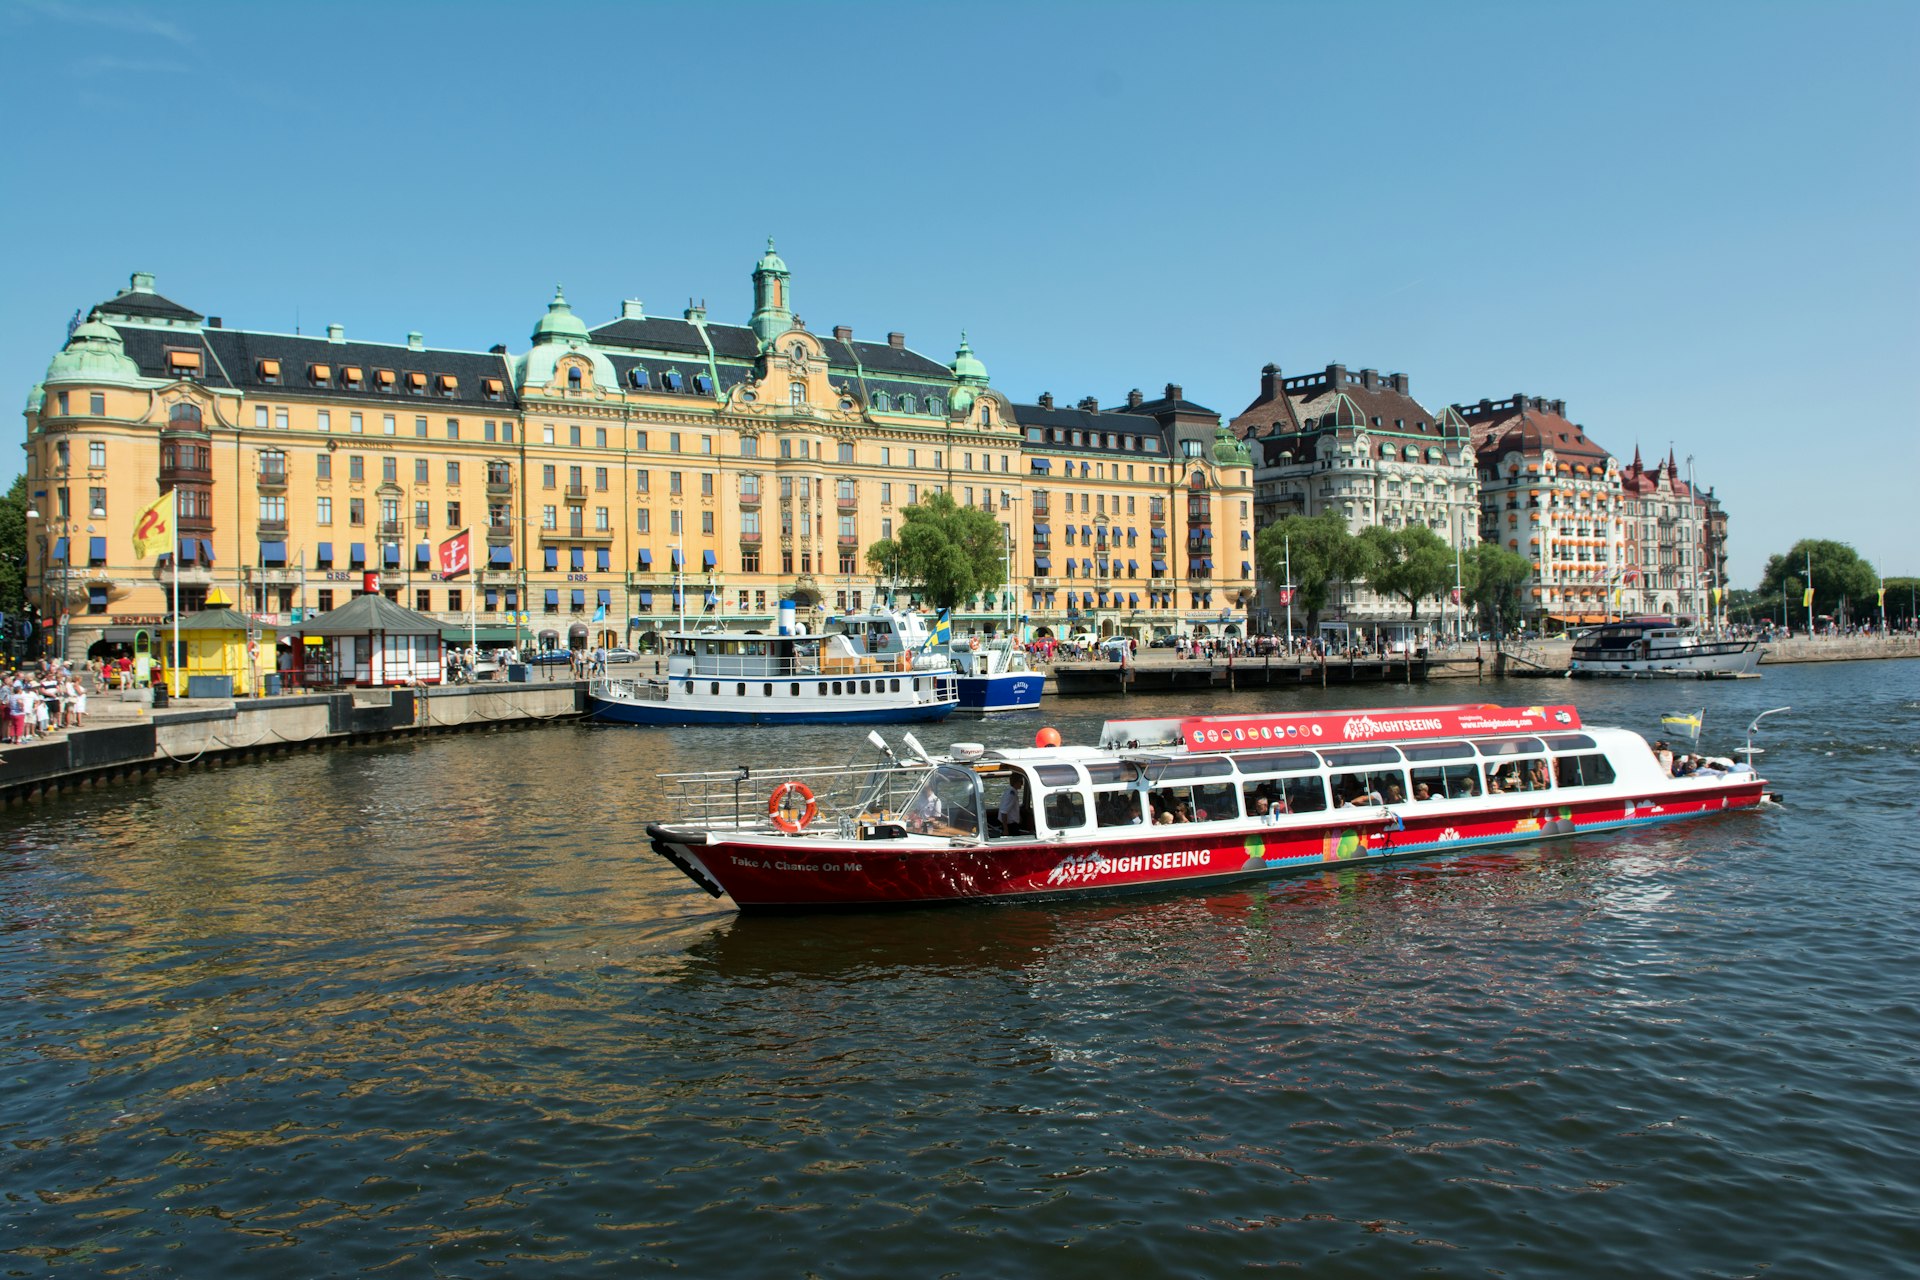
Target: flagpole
174	656
1287	542
1809	590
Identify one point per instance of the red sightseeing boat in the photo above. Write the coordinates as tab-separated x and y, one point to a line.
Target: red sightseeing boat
1204	800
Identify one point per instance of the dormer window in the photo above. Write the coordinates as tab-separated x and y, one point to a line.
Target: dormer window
270	371
637	378
492	387
796	393
416	384
182	362
319	375
352	377
383	379
573	377
448	384
670	380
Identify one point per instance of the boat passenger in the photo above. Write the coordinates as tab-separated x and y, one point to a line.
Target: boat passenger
1664	754
1166	818
1421	791
1394	794
1261	806
1014	811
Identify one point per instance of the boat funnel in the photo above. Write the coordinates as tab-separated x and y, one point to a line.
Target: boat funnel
787	618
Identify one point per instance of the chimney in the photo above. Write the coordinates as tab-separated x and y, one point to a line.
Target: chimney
631	309
1337	376
1269	381
898	341
1046	399
1486	405
843	332
336	333
498	348
1090	405
1559	407
1135	399
142	282
415	342
213	322
696	314
1174	390
1399	381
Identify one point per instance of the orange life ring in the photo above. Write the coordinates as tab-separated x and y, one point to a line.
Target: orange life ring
974	644
778	810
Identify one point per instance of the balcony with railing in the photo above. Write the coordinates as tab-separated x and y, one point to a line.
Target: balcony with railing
392	528
576	491
273	477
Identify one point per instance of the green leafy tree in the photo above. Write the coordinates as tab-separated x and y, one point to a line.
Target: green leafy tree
1323	554
1841	579
1493	578
1412	563
952	552
13	548
1902	594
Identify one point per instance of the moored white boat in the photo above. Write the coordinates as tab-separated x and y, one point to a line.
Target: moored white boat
1659	646
883	672
1203	800
993	674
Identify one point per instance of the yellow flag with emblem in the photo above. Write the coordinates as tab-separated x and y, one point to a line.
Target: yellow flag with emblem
153	528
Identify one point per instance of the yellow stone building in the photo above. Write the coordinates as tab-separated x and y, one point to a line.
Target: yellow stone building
747	463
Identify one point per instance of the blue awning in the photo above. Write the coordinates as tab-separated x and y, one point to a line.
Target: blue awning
96	549
646	558
677	559
677	597
712	599
1041	531
646	599
553	597
500	557
1069	566
603	597
1133	597
1159	535
553	559
357	552
493	597
206	551
1041	466
59	548
579	600
1133	566
1086	567
1206	534
1086	532
634	624
273	553
390	554
602	559
707	558
97	597
1246	539
325	555
1042	564
1246	568
1159	565
1205	563
577	558
422	553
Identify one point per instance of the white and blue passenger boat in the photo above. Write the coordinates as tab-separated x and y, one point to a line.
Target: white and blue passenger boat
875	669
994	675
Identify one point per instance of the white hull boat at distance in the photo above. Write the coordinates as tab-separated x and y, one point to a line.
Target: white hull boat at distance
1660	646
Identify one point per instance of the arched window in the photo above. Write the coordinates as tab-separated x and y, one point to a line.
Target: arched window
573	377
986	414
934	404
882	402
796	393
906	404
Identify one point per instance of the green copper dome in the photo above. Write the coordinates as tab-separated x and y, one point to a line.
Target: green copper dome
1229	449
966	366
771	260
559	324
961	402
94	353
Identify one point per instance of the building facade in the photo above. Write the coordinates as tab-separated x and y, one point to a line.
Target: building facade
1359	445
611	476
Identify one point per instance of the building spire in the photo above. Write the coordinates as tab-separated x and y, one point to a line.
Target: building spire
772	297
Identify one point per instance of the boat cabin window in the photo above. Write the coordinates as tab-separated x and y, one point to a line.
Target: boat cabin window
1348	757
1065	810
947	803
1276	761
1439	751
1192	767
1000	781
1512	747
1057	775
1517	773
1583	770
1446	782
1368	786
1570	742
1116	800
1205	802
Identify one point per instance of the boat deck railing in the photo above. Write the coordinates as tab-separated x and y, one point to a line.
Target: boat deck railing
741	799
627	689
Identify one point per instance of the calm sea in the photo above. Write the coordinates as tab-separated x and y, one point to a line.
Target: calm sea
435	1009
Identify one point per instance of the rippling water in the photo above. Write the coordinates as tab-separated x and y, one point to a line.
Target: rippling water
435	1009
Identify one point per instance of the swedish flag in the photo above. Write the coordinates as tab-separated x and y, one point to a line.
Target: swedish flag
942	633
1688	725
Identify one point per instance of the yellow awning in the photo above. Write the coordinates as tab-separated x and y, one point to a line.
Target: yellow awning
269	368
184	359
320	372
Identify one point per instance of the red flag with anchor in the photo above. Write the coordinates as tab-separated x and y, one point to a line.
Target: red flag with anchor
456	554
1286	595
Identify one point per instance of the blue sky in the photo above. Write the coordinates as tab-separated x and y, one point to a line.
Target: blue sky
1694	223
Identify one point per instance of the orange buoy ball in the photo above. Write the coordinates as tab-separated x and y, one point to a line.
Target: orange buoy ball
1048	737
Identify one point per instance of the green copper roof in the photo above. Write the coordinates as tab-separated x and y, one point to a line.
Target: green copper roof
770	261
94	353
966	366
559	324
1229	449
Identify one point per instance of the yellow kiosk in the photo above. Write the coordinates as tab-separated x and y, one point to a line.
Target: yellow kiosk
217	641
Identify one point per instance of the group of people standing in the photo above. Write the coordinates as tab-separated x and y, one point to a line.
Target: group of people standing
37	703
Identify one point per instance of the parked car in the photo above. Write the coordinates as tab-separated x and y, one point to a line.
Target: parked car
622	655
551	657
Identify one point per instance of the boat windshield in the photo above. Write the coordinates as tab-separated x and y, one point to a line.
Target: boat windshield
947	802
